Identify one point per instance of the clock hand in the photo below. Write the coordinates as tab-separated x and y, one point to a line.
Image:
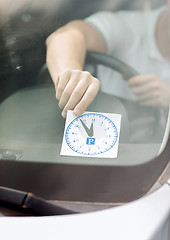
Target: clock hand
89	131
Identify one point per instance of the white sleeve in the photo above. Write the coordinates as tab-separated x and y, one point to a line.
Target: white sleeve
115	28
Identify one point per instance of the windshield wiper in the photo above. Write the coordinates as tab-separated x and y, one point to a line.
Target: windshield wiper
28	201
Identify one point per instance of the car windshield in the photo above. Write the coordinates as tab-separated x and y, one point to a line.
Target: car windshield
31	124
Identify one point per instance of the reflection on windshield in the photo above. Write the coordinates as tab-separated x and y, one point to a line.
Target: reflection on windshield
32	123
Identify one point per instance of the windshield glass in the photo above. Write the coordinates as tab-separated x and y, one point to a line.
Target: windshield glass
134	33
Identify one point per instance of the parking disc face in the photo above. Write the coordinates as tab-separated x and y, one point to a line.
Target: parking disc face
91	135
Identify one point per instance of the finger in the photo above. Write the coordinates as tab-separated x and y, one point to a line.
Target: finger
149	87
77	101
87	99
150	102
69	88
147	96
76	96
141	79
63	79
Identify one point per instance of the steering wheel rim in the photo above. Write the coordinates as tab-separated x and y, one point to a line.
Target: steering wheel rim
111	62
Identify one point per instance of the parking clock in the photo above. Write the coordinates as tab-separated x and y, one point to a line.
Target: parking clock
91	134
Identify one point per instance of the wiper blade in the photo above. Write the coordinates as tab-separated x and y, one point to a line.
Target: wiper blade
25	200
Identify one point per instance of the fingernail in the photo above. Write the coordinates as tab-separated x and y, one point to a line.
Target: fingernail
77	112
63	114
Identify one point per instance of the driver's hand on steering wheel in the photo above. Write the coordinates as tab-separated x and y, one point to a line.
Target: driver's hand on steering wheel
150	90
75	90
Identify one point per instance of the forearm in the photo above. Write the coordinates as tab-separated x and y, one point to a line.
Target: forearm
66	48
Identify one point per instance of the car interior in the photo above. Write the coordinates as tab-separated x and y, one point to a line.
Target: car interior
32	128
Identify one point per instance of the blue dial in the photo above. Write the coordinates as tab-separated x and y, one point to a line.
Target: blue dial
91	134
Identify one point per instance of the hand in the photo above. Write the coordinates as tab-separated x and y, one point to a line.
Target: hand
75	90
150	90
